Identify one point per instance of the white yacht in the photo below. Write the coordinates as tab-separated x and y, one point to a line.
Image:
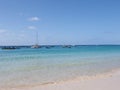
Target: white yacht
36	45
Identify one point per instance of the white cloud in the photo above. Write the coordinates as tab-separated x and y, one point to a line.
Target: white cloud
31	27
2	30
34	19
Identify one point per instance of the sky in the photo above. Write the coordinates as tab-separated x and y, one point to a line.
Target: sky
59	22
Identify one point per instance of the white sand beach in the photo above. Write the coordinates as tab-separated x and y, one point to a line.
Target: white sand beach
103	82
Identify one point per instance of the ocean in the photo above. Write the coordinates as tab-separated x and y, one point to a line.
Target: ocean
27	66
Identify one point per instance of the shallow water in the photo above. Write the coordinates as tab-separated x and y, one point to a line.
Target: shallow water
37	66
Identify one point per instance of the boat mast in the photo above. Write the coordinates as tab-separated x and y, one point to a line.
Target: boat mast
36	37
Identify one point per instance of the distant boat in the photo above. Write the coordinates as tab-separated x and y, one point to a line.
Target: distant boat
9	48
66	46
48	47
36	45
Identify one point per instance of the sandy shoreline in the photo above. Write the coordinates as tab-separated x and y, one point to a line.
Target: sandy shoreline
101	82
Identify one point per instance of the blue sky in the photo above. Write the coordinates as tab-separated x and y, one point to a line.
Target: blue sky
59	22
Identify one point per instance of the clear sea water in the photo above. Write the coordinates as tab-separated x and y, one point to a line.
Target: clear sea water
28	66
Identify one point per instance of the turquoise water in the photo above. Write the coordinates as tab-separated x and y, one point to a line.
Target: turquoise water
27	66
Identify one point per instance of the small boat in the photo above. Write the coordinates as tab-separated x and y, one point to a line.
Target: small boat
9	48
48	47
67	46
35	46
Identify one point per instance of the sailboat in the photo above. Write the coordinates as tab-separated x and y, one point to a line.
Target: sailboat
36	45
